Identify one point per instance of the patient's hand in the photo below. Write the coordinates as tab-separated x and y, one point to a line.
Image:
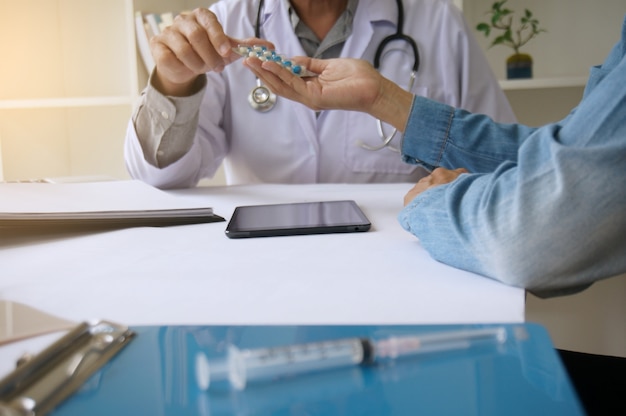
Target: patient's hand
439	176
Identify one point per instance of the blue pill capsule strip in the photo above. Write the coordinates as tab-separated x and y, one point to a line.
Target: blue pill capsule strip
265	54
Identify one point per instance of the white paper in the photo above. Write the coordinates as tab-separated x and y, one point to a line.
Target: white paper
106	199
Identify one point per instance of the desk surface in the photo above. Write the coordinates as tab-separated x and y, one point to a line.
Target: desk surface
196	275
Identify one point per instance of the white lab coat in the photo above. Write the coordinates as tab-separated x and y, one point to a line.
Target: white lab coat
289	144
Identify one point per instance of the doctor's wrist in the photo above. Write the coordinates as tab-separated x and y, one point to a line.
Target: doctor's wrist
174	89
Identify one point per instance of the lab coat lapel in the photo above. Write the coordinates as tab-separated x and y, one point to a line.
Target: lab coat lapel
367	12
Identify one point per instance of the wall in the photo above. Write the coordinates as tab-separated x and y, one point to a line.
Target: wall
67	85
579	33
591	321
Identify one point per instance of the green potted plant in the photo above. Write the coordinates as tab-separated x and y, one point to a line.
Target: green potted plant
518	65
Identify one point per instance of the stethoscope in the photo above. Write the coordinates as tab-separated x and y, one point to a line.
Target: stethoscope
263	100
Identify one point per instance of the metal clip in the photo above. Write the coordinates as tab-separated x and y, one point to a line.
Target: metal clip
40	384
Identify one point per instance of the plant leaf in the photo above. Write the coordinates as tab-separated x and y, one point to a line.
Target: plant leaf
484	27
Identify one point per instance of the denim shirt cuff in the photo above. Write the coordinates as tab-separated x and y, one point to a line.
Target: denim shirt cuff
426	132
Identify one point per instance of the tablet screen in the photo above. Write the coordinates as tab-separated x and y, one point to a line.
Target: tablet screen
297	219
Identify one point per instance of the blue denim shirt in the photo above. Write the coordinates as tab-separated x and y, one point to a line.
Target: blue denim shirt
543	208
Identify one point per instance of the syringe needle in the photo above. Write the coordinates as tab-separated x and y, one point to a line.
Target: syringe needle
398	346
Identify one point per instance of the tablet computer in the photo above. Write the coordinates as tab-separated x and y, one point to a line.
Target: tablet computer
297	219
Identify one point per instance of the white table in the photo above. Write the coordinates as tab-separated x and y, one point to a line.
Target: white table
196	275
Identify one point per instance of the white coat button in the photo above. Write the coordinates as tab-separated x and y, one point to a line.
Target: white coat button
165	115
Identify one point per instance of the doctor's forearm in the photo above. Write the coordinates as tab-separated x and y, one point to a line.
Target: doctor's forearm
393	105
165	126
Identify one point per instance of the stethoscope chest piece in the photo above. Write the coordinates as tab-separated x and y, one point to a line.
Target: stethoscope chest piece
261	98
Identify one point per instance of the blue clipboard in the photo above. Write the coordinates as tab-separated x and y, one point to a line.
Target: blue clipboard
157	374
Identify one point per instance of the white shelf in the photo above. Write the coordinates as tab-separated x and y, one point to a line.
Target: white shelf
67	102
540	83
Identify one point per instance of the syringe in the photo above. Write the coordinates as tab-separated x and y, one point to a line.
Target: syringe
241	366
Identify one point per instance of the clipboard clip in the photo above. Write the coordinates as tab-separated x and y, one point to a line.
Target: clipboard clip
40	384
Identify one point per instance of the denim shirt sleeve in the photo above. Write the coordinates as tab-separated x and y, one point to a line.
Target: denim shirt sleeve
546	210
440	135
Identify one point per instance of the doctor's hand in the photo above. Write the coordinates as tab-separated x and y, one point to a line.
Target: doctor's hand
439	176
193	45
347	84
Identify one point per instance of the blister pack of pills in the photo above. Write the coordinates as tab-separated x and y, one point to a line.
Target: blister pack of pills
265	54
